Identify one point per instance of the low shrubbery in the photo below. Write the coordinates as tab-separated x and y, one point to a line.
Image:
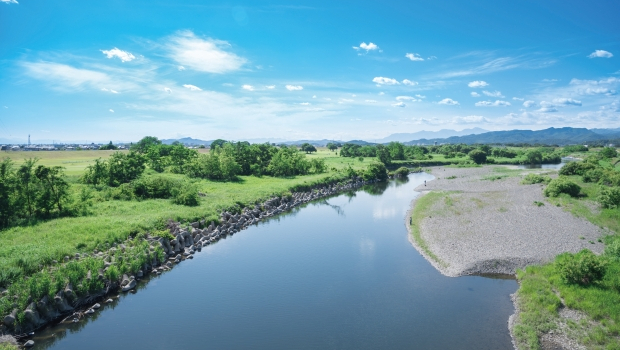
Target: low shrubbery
562	185
530	179
583	268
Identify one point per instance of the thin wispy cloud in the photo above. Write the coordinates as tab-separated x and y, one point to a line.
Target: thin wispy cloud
529	103
385	81
448	101
399	104
474	94
202	54
498	65
493	94
409	82
9	1
497	103
294	87
192	87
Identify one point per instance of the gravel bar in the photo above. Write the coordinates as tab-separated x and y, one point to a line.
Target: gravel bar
487	226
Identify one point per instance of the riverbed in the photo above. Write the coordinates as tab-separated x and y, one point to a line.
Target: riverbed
337	273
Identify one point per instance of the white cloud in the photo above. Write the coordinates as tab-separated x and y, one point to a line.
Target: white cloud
414	57
409	82
181	68
371	101
477	84
10	1
66	77
111	110
167	90
493	94
420	96
367	47
381	93
192	87
549	80
547	110
294	87
399	104
123	55
313	96
247	87
203	55
405	98
518	99
470	119
595	87
497	103
270	87
305	103
529	103
448	101
385	81
474	94
567	101
601	54
345	100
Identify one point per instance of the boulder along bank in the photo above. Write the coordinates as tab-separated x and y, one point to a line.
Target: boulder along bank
148	254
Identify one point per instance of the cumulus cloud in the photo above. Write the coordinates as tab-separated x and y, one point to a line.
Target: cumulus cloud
192	87
567	101
167	90
247	87
409	82
601	54
420	96
10	1
294	87
270	87
493	94
385	81
399	104
124	56
405	98
547	110
448	101
595	87
367	47
475	94
111	110
203	55
529	103
477	84
414	57
497	103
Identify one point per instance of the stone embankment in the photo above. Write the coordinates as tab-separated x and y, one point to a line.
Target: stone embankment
188	240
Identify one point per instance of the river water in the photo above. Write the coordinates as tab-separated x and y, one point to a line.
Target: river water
338	273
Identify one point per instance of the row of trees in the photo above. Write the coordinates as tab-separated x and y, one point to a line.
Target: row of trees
31	191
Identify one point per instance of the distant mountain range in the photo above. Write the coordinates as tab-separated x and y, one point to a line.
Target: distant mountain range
441	134
551	136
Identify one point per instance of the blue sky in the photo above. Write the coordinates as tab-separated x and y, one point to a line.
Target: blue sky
119	70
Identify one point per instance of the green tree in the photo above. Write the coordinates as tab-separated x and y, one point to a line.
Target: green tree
107	147
217	143
533	157
383	155
96	174
143	145
55	189
8	208
27	187
397	150
124	167
478	156
609	152
308	148
375	170
331	146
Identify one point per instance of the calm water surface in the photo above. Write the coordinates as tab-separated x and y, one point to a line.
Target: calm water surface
335	274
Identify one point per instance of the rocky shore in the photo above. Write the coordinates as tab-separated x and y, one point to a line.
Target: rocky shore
184	240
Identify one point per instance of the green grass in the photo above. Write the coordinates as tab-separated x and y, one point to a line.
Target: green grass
7	346
421	210
74	161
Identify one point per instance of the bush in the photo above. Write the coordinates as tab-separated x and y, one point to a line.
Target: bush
609	197
154	187
401	172
562	185
186	194
593	175
122	192
530	179
609	152
478	156
613	249
375	170
576	168
583	268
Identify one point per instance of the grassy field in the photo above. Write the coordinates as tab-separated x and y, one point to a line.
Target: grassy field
74	162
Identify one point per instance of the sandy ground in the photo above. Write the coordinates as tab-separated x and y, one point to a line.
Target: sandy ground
486	226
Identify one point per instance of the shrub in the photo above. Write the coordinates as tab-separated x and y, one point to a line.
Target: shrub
530	179
613	249
583	268
593	175
186	194
562	185
478	156
122	192
154	187
609	152
609	197
401	172
576	168
375	170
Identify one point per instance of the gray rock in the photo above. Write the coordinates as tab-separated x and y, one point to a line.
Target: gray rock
29	343
89	312
96	306
129	286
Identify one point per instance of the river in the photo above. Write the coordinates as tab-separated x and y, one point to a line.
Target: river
337	273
